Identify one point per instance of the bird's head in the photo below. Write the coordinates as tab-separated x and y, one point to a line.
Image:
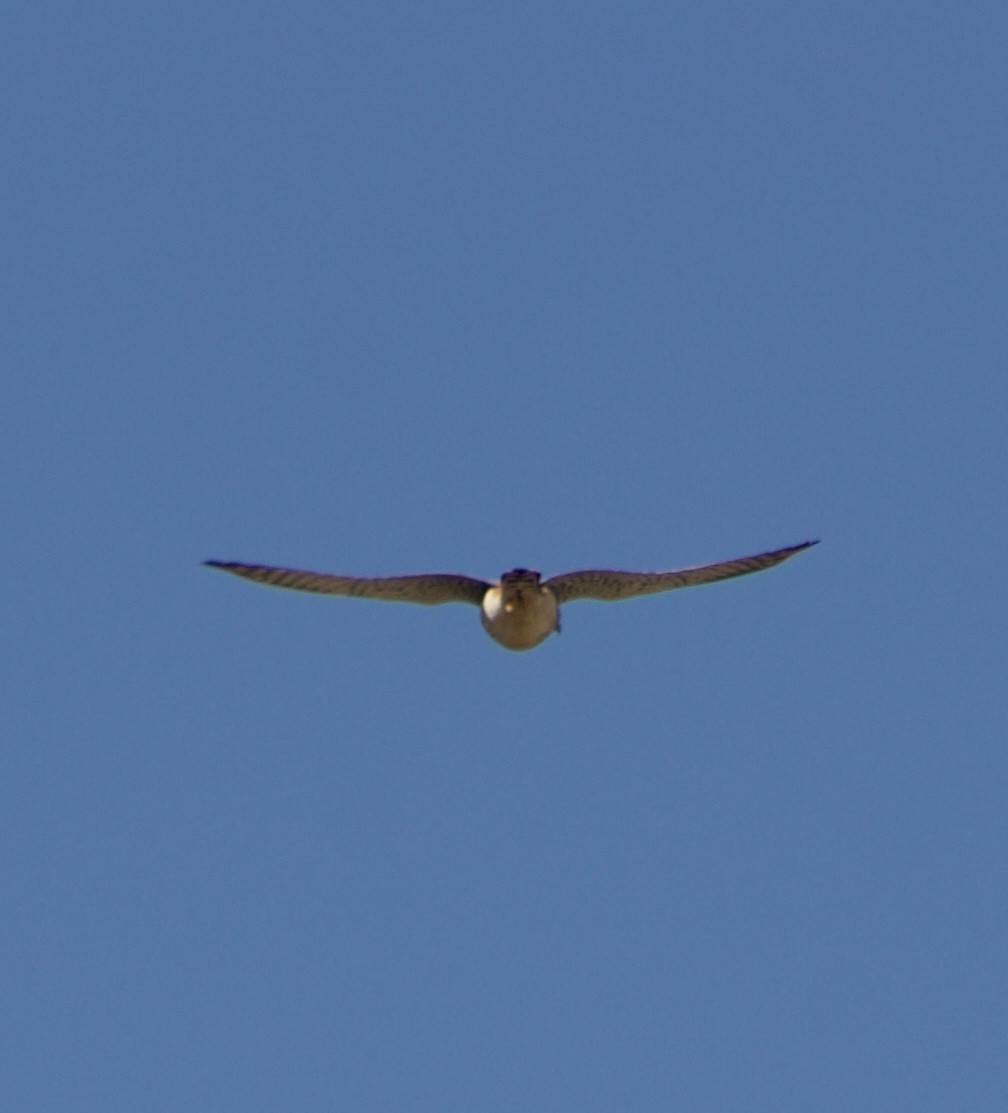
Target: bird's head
518	583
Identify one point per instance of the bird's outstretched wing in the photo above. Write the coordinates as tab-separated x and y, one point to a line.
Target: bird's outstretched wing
600	583
432	588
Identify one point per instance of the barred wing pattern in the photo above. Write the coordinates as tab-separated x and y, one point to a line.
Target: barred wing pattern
430	589
600	583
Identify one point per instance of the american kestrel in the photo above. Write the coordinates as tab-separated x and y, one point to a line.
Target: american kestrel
520	610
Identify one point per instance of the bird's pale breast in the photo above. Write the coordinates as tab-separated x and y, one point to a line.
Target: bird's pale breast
519	619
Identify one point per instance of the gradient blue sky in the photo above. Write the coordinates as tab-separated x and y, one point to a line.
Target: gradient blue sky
390	287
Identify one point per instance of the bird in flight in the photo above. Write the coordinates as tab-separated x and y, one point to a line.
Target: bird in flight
520	610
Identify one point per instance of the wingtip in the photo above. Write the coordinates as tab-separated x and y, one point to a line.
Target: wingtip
793	550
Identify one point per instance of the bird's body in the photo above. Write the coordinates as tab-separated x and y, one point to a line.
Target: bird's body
520	610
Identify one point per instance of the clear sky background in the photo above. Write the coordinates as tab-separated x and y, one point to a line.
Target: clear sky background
389	287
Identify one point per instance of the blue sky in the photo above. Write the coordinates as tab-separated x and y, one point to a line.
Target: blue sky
380	288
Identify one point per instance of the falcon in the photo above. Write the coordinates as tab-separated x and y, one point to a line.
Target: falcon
521	610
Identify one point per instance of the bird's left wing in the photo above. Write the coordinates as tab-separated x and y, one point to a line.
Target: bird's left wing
431	588
600	583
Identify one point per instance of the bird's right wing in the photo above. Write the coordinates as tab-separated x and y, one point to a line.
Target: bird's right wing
431	588
600	583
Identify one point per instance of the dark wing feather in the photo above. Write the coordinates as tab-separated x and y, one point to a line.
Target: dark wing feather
430	589
600	583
